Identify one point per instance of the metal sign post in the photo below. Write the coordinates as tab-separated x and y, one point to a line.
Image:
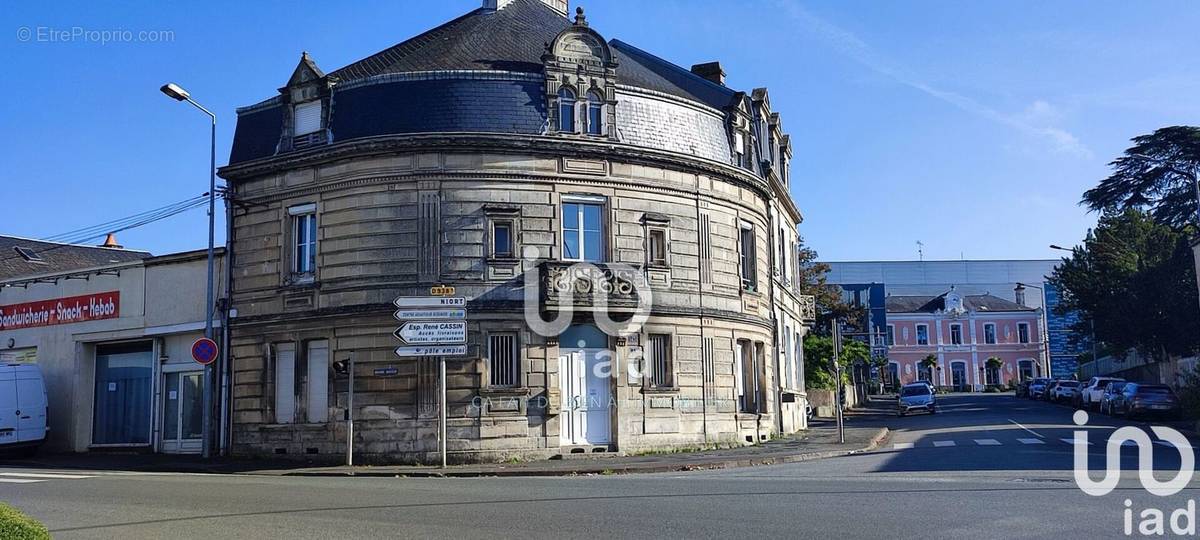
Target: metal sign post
837	378
442	408
350	415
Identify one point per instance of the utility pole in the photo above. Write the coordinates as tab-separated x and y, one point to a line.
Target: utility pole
442	408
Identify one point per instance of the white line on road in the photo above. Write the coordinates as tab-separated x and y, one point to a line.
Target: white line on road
19	481
902	446
1031	441
1034	433
45	475
1072	441
987	442
940	444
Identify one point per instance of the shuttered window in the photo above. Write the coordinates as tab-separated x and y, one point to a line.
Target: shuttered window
308	118
660	361
504	362
317	389
285	383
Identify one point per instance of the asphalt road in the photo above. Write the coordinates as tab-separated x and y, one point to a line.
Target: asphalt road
972	470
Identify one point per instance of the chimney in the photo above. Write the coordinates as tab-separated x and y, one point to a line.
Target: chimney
557	5
711	71
111	242
1019	293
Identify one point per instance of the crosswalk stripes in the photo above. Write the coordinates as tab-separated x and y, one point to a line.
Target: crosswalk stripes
33	477
994	442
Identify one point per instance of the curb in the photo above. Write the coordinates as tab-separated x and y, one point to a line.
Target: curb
699	465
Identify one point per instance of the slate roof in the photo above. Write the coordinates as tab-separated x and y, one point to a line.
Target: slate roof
57	257
930	304
514	39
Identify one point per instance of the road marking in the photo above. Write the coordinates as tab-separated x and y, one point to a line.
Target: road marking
987	442
902	446
1034	433
940	444
19	481
1072	441
48	476
1031	441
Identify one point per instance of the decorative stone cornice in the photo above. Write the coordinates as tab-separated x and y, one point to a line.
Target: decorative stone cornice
495	142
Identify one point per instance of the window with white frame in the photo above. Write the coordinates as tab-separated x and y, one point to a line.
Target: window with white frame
502	239
989	333
956	335
566	110
748	256
595	114
304	239
656	246
583	229
659	361
1023	332
922	334
503	360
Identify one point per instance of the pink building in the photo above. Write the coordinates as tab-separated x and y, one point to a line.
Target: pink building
963	332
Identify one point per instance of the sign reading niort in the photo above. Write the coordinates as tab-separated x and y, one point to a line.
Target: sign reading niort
74	309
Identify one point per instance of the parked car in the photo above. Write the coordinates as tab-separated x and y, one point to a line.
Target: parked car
1111	391
1137	399
916	397
1037	387
1048	395
1092	392
1064	392
22	408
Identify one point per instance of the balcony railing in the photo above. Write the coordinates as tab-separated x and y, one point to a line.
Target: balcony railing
582	285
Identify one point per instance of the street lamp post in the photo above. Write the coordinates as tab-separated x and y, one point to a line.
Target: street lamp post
177	93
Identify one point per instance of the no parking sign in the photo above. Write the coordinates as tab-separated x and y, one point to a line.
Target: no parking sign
204	351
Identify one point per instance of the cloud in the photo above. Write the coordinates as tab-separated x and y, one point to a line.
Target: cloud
1037	120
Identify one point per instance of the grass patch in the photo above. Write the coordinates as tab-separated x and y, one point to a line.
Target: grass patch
15	525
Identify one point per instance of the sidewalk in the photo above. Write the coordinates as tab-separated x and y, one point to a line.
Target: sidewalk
820	441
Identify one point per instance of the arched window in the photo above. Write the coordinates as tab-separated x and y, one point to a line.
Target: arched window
566	110
595	114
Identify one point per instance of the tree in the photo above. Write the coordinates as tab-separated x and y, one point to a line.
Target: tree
994	363
1134	278
818	360
812	276
1158	173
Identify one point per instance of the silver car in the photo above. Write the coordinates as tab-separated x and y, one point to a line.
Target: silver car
915	397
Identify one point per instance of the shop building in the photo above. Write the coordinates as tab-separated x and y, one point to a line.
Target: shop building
560	182
111	330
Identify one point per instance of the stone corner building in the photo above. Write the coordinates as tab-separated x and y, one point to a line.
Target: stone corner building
493	154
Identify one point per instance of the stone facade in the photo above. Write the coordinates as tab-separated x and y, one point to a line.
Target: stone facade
327	235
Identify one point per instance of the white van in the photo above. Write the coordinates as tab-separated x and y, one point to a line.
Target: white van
22	407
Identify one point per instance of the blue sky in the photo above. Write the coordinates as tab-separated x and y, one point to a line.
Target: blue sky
971	126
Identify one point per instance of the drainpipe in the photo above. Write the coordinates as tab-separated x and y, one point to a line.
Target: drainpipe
226	432
700	297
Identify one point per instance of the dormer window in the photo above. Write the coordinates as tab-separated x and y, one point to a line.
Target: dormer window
595	114
739	146
307	118
566	110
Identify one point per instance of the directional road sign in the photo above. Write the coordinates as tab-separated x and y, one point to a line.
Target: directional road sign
407	314
433	332
432	350
429	302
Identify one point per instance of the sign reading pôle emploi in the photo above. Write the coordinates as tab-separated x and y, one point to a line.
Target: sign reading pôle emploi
70	310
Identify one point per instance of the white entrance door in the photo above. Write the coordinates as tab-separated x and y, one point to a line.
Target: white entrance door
586	412
183	408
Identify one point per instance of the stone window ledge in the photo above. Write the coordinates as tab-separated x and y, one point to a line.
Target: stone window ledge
504	392
651	390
